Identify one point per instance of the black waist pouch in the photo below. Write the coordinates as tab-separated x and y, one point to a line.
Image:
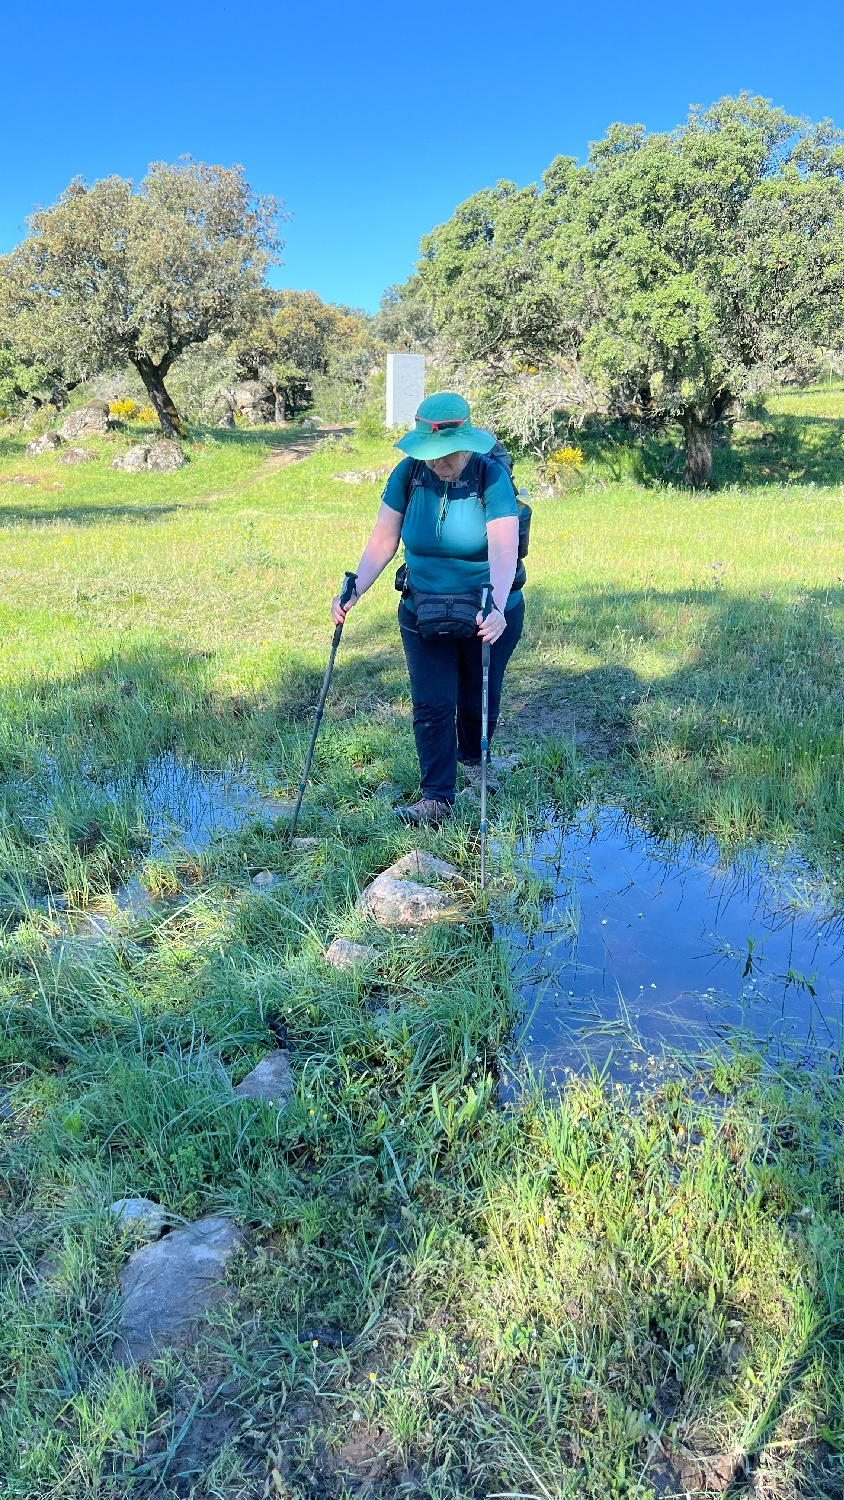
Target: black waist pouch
446	614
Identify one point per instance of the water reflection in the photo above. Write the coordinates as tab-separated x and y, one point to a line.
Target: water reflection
185	806
645	947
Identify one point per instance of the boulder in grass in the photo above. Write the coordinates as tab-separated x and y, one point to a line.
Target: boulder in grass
253	401
405	903
271	1080
47	443
165	457
76	456
420	865
169	1286
344	954
93	420
141	1216
133	462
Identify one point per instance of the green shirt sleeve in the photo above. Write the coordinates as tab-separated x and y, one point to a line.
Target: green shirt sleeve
499	499
395	490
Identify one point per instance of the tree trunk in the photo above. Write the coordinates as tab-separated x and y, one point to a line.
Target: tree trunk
699	436
153	377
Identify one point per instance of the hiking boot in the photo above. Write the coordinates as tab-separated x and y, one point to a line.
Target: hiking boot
426	810
472	775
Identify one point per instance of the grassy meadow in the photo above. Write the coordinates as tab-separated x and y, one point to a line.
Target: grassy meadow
580	1296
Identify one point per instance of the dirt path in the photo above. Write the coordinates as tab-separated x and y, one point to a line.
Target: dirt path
303	447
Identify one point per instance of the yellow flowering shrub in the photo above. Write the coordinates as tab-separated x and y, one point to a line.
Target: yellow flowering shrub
125	408
147	413
564	464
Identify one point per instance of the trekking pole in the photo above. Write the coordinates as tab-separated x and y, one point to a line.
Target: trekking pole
346	591
484	741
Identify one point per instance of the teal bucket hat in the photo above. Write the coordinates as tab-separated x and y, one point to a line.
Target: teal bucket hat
443	426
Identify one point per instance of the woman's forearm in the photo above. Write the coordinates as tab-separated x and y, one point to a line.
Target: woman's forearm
502	570
377	553
503	553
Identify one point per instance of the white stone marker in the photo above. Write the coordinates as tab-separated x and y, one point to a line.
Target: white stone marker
405	387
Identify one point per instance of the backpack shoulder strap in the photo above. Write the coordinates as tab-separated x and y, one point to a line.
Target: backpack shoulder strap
414	478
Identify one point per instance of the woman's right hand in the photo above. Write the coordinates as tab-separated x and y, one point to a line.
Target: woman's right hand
339	611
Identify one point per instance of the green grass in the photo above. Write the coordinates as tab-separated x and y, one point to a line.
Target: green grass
567	1298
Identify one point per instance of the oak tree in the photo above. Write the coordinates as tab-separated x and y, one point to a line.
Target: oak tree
670	275
115	272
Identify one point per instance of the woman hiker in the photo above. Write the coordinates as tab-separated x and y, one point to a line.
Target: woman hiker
457	515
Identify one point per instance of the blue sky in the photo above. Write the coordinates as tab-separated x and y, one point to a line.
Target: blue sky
373	121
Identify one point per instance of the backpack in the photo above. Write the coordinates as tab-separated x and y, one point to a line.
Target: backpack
497	455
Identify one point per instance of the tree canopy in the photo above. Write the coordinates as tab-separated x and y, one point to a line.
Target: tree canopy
114	272
301	337
665	278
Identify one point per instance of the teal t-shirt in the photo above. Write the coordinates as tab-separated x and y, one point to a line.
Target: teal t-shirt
444	527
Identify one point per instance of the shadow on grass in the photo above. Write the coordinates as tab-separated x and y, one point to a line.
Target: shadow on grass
90	515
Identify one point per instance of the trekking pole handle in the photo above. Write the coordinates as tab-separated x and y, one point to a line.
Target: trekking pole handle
347	587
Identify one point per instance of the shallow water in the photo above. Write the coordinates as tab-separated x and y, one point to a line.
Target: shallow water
181	807
185	806
648	948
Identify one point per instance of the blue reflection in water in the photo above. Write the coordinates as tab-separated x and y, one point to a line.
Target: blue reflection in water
645	946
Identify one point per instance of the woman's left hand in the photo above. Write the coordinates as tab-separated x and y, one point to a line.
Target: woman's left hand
493	627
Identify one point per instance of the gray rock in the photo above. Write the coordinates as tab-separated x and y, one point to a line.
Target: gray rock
46	444
305	843
502	763
264	879
141	1215
76	456
227	419
271	1080
254	402
405	903
162	457
165	457
86	421
422	866
344	954
169	1286
133	462
361	476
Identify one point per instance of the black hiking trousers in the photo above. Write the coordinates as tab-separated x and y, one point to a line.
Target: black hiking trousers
446	679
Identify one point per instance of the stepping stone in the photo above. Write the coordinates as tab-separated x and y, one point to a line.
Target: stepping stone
271	1080
420	865
505	763
405	903
169	1286
344	954
141	1215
